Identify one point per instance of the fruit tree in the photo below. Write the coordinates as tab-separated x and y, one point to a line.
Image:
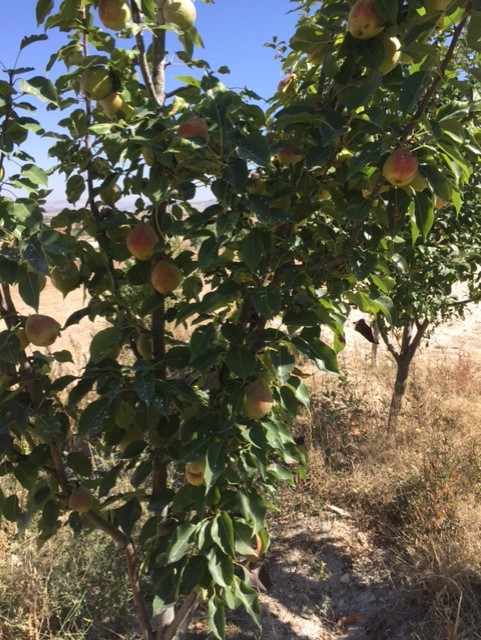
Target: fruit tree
210	318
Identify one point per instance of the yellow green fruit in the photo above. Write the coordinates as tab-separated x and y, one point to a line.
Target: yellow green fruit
110	194
81	500
392	54
114	14
180	12
96	83
257	399
41	330
194	472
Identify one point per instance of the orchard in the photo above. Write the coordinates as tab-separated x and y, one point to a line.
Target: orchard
352	189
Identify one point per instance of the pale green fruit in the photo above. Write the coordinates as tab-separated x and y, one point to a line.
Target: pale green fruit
181	13
392	54
65	280
114	14
257	399
96	83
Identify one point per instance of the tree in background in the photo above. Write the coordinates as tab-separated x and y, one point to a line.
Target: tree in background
210	316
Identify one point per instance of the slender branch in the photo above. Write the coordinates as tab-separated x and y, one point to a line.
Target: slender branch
182	615
442	70
143	63
159	56
388	344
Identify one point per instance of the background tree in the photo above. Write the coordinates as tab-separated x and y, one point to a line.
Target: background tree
209	315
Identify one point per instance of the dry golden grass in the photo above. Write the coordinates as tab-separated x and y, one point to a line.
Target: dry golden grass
418	489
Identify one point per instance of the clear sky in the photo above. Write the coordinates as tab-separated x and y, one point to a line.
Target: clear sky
234	33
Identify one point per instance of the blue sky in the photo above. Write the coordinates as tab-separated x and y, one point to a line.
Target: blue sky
234	34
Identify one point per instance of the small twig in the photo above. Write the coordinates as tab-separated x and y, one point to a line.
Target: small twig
144	65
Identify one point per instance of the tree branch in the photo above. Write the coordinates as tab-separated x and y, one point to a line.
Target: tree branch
143	63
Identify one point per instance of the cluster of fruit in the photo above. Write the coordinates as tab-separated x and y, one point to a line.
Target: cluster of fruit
97	82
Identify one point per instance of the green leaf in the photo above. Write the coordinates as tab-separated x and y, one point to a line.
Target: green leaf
267	301
180	541
75	188
387	9
241	362
42	10
41	88
254	148
222	533
216	617
332	127
93	416
30	284
80	463
473	36
412	90
128	515
252	248
35	174
424	212
26	40
9	347
253	508
248	597
221	568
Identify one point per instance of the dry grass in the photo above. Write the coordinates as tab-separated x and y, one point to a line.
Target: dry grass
418	490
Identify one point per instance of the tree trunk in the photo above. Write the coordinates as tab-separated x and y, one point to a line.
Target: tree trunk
409	347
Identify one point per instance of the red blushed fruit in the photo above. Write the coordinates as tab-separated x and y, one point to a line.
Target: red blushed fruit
286	85
40	330
141	241
165	276
363	21
194	128
400	168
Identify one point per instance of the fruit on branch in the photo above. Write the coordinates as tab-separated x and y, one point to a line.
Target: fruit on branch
144	345
392	53
196	127
96	83
400	168
194	472
2	173
41	330
119	233
65	280
148	155
81	500
142	240
165	276
180	12
132	434
363	21
286	85
257	399
22	338
115	105
317	55
110	194
419	182
114	14
288	156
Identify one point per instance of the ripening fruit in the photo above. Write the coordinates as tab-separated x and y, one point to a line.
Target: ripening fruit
194	128
141	241
65	280
400	168
110	194
2	173
22	338
114	14
180	12
194	472
148	154
41	330
165	276
288	156
144	344
257	399
81	500
392	53
419	182
96	83
363	21
115	105
286	85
